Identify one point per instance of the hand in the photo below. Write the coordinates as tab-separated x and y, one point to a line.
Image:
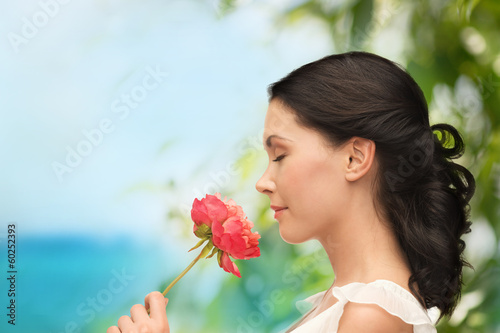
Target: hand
140	321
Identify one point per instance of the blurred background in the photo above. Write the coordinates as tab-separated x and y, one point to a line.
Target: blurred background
115	115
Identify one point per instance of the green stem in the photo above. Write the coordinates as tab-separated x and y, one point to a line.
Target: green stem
206	250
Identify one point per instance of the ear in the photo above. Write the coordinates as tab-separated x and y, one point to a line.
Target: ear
361	153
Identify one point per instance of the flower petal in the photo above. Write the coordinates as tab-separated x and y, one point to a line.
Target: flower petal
217	210
229	266
199	213
207	210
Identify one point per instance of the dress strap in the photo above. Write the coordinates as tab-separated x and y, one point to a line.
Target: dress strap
392	298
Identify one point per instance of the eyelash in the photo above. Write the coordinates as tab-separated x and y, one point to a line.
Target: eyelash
279	158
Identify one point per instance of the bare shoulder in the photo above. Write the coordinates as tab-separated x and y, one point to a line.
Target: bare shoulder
370	318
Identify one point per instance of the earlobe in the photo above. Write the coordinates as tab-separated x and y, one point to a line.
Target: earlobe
361	155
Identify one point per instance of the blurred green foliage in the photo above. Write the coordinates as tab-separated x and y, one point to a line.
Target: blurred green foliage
452	49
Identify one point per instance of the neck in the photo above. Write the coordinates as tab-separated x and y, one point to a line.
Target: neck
365	250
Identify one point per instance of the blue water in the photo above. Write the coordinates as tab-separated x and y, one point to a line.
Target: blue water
77	284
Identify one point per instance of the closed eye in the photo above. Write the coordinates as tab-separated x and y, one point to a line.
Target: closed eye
279	158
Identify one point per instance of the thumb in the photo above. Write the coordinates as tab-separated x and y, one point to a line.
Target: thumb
166	301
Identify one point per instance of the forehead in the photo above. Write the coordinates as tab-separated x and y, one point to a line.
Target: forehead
281	123
279	119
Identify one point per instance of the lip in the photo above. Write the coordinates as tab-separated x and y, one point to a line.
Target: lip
278	211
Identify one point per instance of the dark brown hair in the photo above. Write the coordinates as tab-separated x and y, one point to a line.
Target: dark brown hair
421	192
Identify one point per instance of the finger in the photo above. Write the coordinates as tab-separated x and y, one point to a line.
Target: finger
138	313
125	323
113	329
156	304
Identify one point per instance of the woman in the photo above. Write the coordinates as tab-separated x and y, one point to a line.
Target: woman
355	164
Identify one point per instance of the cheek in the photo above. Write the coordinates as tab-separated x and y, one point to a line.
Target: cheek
314	183
294	178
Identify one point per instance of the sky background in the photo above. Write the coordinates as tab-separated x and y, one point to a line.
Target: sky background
73	73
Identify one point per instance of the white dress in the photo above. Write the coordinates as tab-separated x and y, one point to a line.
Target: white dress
386	294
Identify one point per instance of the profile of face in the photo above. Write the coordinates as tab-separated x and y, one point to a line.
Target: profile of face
308	182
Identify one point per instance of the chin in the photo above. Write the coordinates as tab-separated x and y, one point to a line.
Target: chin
292	236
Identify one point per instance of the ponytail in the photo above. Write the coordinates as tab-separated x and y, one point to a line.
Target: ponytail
430	219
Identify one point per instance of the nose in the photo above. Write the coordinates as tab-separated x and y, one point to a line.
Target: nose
265	184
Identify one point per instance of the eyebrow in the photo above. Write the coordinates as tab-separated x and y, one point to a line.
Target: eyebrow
270	137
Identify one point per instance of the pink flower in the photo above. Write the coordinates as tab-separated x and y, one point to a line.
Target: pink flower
226	225
234	235
224	230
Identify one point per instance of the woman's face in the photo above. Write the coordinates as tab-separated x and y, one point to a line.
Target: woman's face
304	180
